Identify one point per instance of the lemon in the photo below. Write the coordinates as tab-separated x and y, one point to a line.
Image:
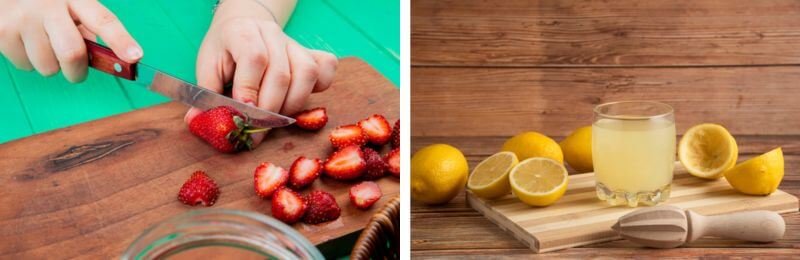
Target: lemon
438	172
538	181
760	175
489	180
577	149
533	144
707	151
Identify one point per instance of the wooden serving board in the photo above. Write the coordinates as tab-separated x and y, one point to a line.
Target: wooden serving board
579	218
90	189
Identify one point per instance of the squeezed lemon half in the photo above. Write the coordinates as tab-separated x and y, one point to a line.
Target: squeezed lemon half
489	180
707	151
538	181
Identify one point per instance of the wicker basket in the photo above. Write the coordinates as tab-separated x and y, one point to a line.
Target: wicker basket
380	239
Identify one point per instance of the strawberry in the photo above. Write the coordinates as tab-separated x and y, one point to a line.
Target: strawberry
376	167
225	129
269	178
364	194
377	129
199	189
288	206
396	134
322	207
346	164
304	171
312	119
393	159
347	135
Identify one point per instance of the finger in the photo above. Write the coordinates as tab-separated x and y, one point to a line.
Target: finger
39	50
213	69
304	76
68	45
276	81
101	21
327	69
14	50
251	57
86	33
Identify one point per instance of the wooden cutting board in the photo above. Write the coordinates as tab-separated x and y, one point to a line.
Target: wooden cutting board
579	218
90	189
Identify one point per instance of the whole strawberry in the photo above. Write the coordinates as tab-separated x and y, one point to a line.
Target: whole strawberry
322	207
376	167
225	129
199	189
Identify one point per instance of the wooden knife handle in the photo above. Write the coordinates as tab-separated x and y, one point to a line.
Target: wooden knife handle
104	59
757	225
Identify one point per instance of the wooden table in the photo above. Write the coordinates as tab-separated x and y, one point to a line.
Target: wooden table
483	71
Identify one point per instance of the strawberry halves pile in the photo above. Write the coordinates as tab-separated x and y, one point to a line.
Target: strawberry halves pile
355	157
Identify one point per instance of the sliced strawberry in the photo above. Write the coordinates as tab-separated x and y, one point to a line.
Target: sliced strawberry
304	171
199	189
288	206
376	167
346	164
312	119
364	194
393	159
396	134
347	135
377	129
269	178
322	207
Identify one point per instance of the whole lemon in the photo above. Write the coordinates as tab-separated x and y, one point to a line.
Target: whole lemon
438	172
533	144
577	149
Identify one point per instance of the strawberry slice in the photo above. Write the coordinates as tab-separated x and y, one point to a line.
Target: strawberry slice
347	135
376	167
312	119
288	206
269	178
396	134
322	207
364	194
346	164
377	129
304	171
199	189
393	159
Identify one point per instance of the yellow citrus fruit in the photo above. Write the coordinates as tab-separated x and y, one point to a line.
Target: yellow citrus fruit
760	175
489	180
533	144
577	148
438	172
707	151
538	181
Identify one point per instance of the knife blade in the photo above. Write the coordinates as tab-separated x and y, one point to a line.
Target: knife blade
103	59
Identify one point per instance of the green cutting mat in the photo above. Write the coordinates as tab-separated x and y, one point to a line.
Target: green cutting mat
170	33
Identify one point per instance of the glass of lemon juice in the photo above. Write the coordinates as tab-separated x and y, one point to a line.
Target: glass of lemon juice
633	152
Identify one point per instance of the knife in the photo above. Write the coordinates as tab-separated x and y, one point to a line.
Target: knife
104	59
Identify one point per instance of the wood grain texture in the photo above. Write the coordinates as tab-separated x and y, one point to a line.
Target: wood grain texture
555	101
604	33
89	190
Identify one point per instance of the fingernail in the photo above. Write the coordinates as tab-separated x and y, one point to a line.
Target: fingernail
135	52
249	102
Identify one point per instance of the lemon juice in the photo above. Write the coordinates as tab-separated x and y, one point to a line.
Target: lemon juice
633	152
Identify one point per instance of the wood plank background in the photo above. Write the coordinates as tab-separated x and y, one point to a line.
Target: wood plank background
485	70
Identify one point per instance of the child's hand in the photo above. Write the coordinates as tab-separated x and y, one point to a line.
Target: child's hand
48	35
246	46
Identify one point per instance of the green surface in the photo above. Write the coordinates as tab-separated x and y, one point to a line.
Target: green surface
170	33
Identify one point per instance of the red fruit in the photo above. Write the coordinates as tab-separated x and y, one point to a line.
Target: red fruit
225	129
288	206
269	178
347	135
312	119
396	134
364	194
199	189
304	171
393	159
376	167
322	207
346	164
377	129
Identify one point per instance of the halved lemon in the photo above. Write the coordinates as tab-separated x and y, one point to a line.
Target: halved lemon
489	180
707	151
760	175
538	181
